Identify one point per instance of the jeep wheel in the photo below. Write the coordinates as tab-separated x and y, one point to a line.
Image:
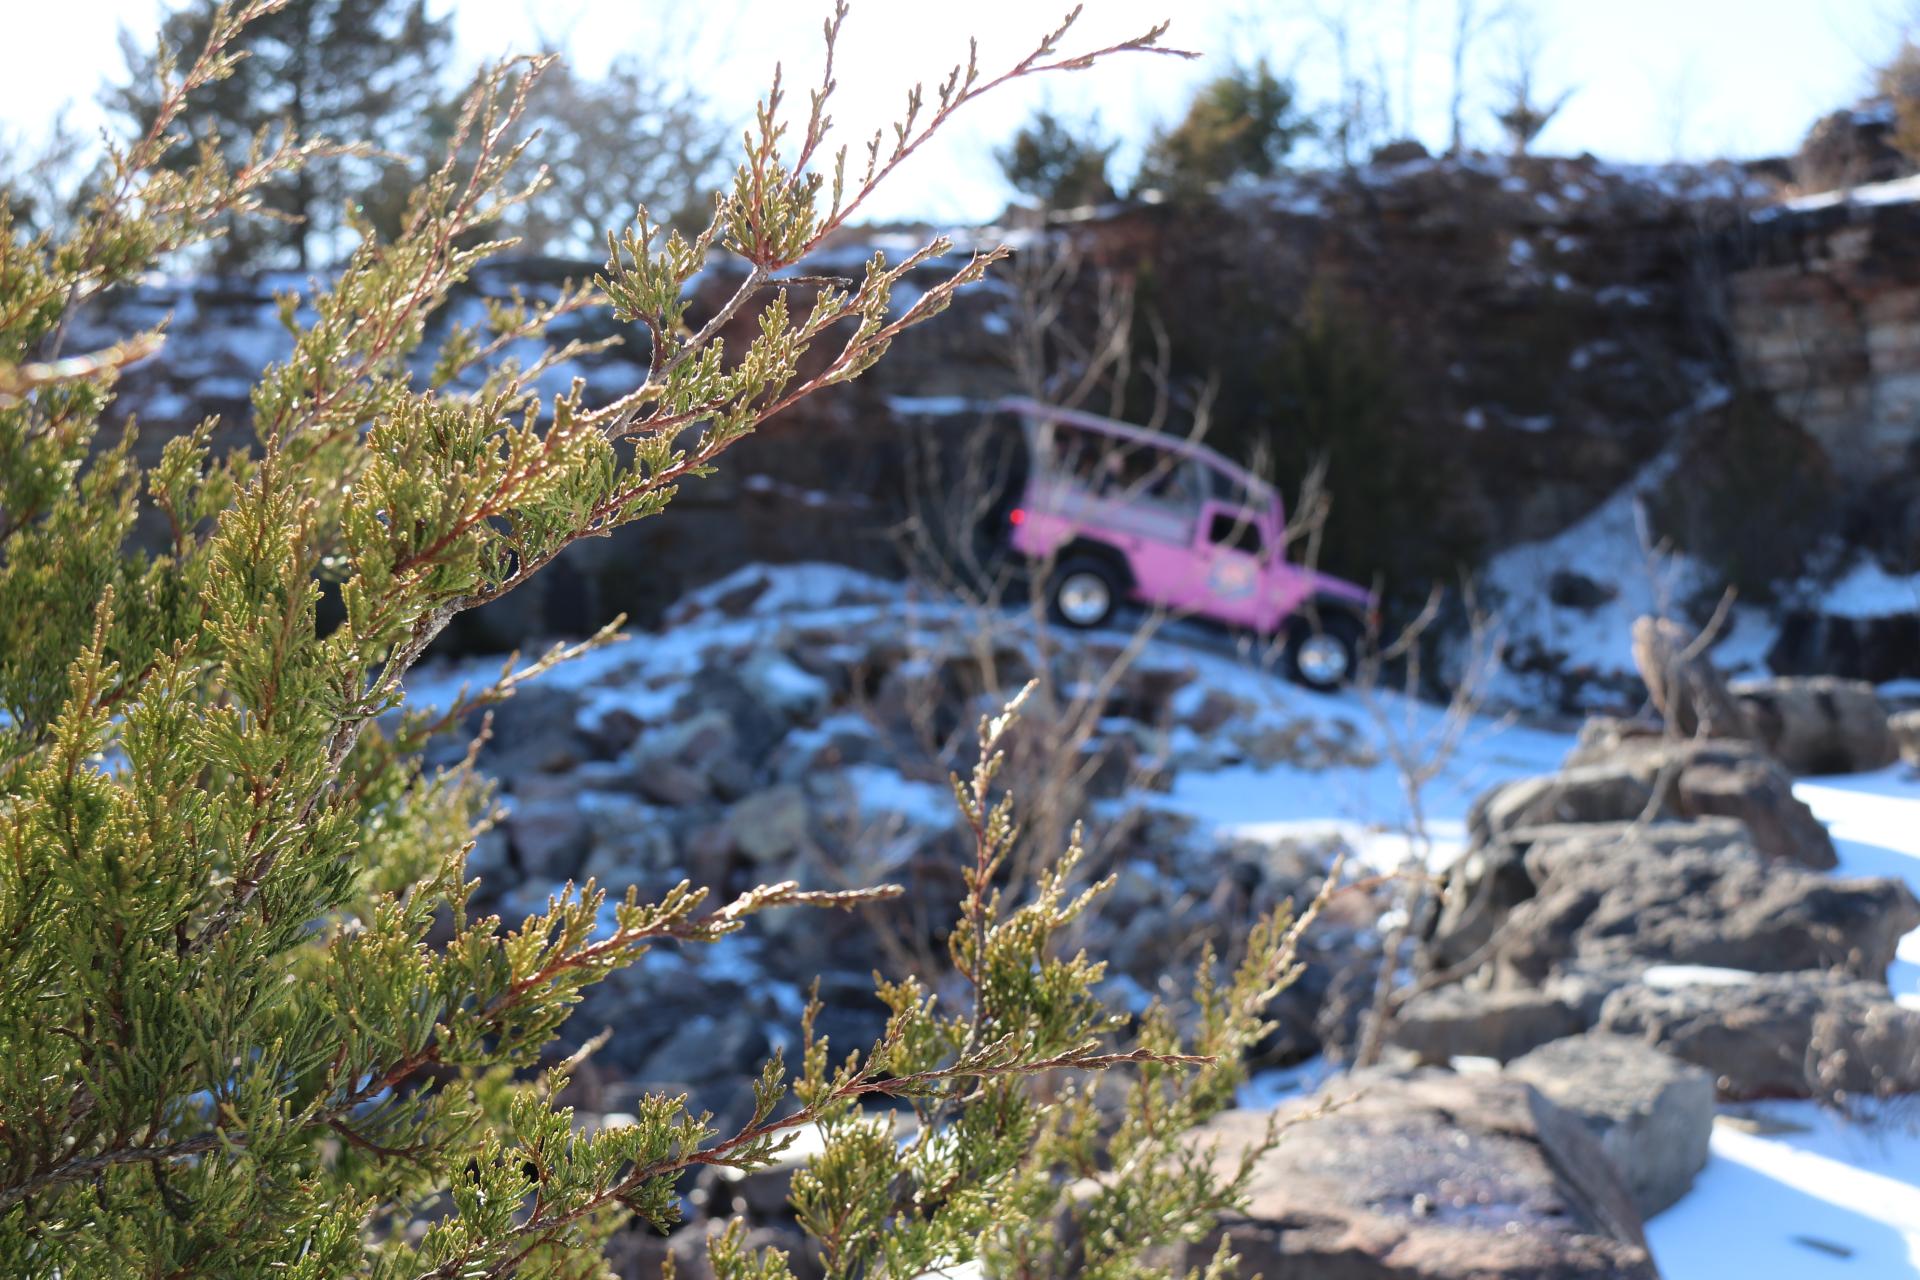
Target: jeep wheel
1324	652
1083	592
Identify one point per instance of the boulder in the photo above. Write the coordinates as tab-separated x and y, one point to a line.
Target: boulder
1776	1034
708	1047
1616	776
549	839
1605	737
610	729
1483	887
1113	765
490	857
772	824
534	732
1551	850
720	692
1145	694
1477	893
1698	906
1465	1022
1432	1176
695	740
1651	1113
778	684
669	783
1905	727
1718	782
840	741
1571	590
731	778
1206	709
1603	792
1819	724
1665	834
761	1194
1295	1016
630	842
692	760
1869	1045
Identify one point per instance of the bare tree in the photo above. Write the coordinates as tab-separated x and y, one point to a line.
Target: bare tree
1528	107
1409	46
1420	745
1680	97
1361	113
1472	21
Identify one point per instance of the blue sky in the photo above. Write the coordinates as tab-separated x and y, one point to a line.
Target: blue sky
1653	79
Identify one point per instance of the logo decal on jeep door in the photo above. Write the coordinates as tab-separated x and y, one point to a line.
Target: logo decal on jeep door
1232	578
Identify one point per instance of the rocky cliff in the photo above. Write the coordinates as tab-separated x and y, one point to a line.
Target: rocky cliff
1485	351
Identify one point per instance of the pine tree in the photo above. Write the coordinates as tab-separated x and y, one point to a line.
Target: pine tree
248	1024
365	70
1061	166
1245	122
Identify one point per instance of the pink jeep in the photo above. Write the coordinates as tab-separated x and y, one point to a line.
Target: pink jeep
1112	511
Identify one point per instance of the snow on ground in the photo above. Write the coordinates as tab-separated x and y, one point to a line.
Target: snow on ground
1362	802
1898	191
1608	547
1875	821
1793	1191
1790	1190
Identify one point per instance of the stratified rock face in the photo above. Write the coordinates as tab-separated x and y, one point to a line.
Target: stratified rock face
1433	1177
1818	724
1467	1022
1826	318
1651	1113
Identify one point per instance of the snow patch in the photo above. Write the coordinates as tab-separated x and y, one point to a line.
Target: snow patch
881	790
1868	591
931	406
1898	191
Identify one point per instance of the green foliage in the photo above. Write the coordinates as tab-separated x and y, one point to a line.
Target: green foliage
1897	81
248	1023
366	70
1334	388
1061	166
1747	457
1310	374
1245	122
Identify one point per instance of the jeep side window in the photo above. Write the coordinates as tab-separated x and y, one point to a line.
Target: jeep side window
1075	457
1237	530
1224	488
1175	482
